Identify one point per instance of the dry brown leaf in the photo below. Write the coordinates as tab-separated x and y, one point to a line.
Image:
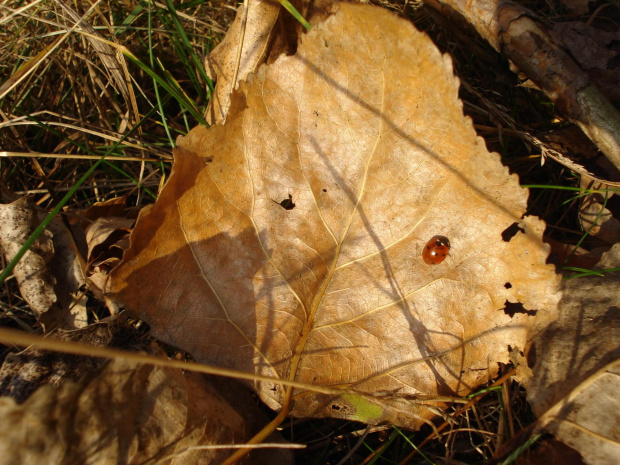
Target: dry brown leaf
67	266
17	222
288	242
563	254
268	31
51	272
103	234
107	239
255	35
573	383
134	415
114	207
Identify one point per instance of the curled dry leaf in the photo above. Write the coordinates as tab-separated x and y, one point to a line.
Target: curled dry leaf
17	222
111	208
288	242
103	234
572	368
131	414
268	31
106	235
106	238
50	274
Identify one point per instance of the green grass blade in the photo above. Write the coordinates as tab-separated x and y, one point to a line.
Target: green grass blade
568	188
187	44
584	272
174	90
291	9
155	86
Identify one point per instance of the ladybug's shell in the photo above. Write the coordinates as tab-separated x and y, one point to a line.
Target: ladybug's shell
436	250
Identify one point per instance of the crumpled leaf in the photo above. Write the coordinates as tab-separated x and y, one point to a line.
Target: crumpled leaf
17	221
106	236
103	234
131	414
50	274
111	208
572	366
288	242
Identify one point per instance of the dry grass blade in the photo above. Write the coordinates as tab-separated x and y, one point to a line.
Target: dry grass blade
21	339
18	11
113	60
71	156
30	66
209	23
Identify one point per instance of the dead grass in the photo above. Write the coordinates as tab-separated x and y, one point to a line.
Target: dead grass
71	95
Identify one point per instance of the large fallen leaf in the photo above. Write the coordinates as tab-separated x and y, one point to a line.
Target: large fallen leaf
288	242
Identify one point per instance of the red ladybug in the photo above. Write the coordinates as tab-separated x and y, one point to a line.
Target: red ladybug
436	250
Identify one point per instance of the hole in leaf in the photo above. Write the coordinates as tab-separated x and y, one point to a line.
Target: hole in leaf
340	409
511	231
508	286
512	309
287	204
324	190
